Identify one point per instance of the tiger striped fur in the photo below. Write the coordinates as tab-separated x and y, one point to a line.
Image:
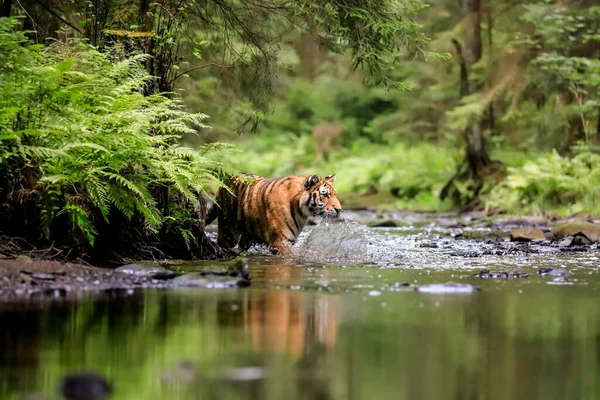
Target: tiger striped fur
257	210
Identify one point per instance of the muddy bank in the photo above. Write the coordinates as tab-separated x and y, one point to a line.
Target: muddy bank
41	279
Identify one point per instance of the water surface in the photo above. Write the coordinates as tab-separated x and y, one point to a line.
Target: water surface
332	329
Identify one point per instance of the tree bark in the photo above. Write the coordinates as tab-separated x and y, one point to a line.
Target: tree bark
474	168
5	6
476	154
490	115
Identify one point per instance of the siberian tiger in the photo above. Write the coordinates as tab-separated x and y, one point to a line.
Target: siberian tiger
257	210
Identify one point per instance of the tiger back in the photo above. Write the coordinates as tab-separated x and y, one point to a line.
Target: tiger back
256	210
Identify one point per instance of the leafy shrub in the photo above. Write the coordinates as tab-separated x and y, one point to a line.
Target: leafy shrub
552	182
80	139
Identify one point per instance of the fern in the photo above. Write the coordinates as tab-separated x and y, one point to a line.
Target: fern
93	141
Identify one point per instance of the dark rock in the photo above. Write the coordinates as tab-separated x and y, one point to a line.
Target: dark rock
449	287
466	253
513	273
430	245
566	242
152	271
590	231
85	386
527	234
236	268
388	223
581	240
478	235
574	249
554	272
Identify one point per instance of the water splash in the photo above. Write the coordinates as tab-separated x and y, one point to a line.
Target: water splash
335	241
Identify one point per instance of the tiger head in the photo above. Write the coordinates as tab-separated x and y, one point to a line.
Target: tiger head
320	197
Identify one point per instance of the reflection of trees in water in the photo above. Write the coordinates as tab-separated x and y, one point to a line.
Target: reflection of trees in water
19	349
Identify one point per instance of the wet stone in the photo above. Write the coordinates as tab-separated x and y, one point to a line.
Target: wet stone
527	234
388	223
510	274
466	253
449	287
566	242
554	272
153	271
588	230
85	386
236	268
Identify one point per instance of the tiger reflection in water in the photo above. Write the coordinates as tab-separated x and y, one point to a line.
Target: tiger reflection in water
292	322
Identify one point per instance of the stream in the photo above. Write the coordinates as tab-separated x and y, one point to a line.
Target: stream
351	317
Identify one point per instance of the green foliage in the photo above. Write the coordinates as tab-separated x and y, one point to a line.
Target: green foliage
415	173
551	182
80	138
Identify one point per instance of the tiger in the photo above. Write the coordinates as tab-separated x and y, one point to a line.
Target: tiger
257	210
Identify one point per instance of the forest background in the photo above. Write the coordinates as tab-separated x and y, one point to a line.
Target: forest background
117	117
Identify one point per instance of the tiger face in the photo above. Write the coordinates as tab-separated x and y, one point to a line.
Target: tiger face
319	198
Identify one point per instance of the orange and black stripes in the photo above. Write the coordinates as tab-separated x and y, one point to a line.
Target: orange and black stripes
270	211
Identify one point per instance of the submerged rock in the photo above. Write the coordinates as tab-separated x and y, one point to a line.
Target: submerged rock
235	268
85	386
527	234
583	232
198	279
388	223
152	271
449	287
513	273
554	272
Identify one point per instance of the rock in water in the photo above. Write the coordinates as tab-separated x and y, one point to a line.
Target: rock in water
85	386
554	272
449	287
513	273
587	229
153	271
387	223
527	234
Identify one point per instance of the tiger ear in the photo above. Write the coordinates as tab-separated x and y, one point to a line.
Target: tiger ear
311	181
330	178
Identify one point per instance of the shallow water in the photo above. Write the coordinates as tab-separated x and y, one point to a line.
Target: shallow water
344	327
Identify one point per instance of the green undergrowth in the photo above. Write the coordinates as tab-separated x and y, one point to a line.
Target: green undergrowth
550	184
86	157
410	176
400	175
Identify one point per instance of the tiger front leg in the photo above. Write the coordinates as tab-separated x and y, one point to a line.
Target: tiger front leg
281	247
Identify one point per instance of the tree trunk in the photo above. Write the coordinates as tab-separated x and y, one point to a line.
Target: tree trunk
5	6
474	169
476	155
490	123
